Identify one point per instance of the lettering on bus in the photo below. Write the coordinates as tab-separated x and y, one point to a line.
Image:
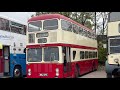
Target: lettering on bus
38	35
42	40
6	37
42	45
43	74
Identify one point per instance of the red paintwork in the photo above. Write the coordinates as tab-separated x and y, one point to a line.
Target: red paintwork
1	65
60	44
37	68
58	16
49	68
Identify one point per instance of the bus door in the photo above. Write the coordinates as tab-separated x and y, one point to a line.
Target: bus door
1	58
6	56
67	61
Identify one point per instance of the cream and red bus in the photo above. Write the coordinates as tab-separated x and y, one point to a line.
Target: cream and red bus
58	47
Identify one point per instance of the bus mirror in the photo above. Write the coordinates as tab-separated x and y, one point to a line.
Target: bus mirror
25	50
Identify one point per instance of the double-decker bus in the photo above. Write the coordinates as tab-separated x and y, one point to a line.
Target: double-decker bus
12	47
113	34
58	47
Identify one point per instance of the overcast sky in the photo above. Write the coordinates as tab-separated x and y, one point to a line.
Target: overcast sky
21	16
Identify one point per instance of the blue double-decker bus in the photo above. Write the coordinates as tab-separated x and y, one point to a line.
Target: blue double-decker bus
12	48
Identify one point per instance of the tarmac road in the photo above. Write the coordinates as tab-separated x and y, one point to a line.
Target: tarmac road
95	74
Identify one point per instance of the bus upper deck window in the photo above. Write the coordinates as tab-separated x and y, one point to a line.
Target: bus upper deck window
35	26
24	50
50	24
66	25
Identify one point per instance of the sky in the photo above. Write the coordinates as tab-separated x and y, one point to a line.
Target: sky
21	16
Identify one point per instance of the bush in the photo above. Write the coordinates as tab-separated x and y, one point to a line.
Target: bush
102	53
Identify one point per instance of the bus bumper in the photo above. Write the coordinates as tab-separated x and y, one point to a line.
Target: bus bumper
111	68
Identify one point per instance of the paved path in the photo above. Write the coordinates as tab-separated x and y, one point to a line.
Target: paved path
95	74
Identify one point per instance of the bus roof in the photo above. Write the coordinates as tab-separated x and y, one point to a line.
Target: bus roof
59	16
11	19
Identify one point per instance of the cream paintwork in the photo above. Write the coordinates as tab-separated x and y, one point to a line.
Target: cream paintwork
65	37
72	38
113	28
112	57
61	36
1	46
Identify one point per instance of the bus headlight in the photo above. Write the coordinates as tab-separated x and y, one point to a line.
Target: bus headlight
57	74
111	56
57	71
116	60
29	71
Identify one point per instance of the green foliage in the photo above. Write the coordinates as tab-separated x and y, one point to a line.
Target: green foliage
102	52
85	18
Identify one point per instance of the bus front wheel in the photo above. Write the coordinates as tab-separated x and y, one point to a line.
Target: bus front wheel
77	69
17	72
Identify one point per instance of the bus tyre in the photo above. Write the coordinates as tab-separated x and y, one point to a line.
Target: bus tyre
109	75
93	67
17	72
77	69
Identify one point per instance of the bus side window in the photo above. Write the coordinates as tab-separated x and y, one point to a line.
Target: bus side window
90	54
82	56
96	54
86	54
74	54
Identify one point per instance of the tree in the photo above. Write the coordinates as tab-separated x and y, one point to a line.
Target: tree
101	22
102	53
85	18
